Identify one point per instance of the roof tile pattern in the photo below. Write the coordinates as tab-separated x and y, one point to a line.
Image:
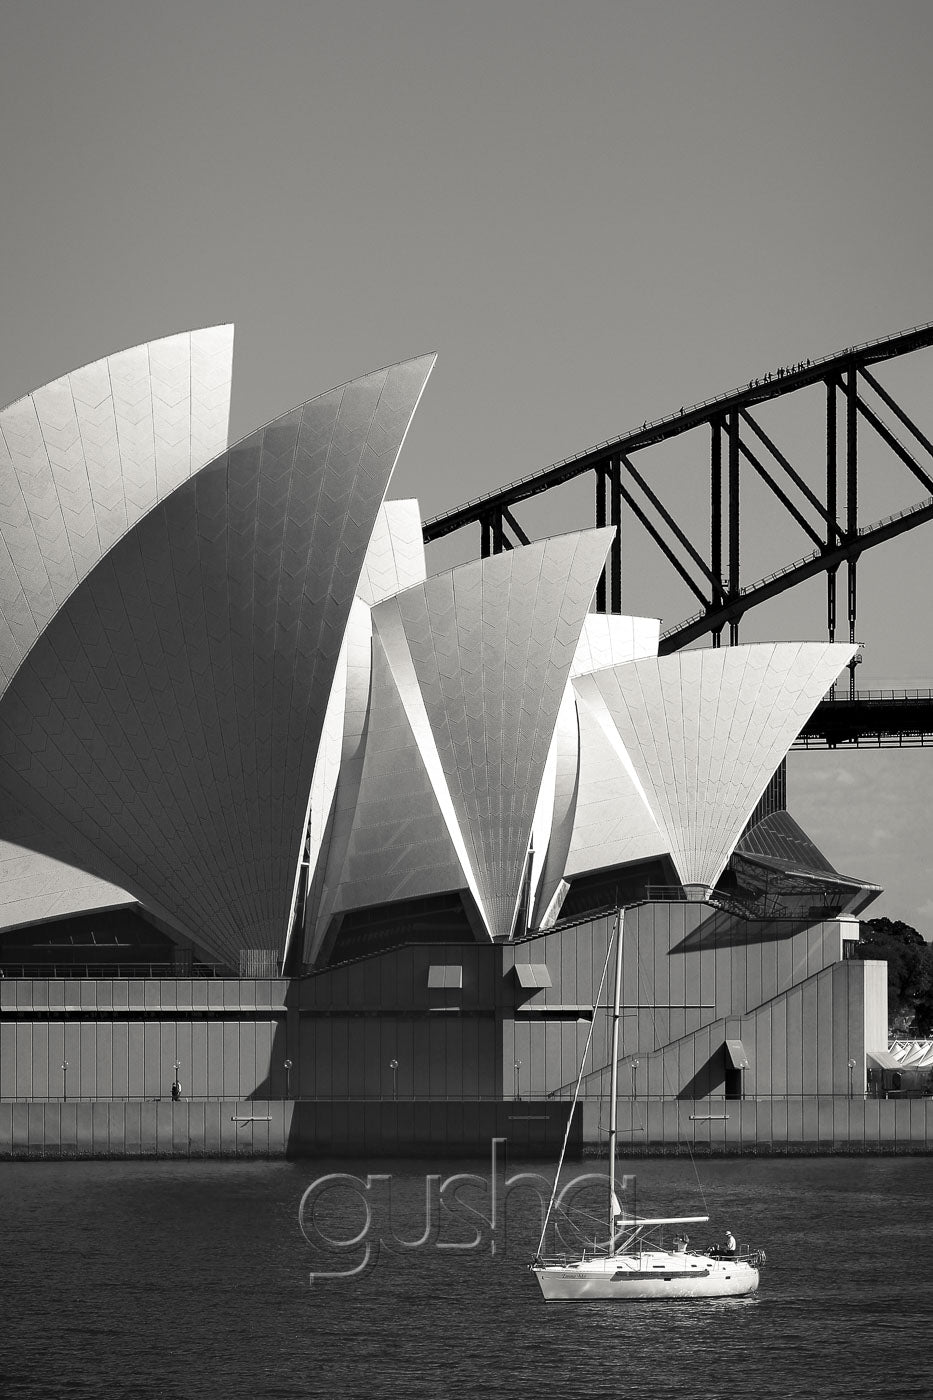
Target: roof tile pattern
609	639
400	846
491	644
565	749
333	807
163	731
85	457
612	823
34	888
705	730
395	558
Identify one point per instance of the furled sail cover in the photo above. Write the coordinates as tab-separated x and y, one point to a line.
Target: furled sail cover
704	732
163	731
483	653
84	458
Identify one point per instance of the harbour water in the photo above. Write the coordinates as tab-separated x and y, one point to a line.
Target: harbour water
191	1279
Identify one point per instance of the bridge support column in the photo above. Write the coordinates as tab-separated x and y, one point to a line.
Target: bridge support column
600	474
852	504
733	494
715	519
615	549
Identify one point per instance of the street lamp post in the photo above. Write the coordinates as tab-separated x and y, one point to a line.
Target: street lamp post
634	1079
518	1079
851	1068
176	1086
393	1066
65	1079
288	1079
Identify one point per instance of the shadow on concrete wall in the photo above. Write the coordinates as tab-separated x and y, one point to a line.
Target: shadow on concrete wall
709	1078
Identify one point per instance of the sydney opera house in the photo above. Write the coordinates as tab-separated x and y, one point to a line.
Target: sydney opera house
337	843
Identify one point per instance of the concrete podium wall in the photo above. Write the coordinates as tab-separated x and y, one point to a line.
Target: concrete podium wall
803	1123
121	1037
136	1059
471	1049
273	1128
437	1128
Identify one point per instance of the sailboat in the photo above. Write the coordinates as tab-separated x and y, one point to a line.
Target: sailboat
634	1263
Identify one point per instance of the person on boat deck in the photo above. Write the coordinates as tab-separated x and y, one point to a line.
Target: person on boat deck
680	1243
729	1246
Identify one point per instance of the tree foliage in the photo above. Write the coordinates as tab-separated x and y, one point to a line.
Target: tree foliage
910	968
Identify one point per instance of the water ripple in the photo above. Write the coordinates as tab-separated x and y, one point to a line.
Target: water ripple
166	1280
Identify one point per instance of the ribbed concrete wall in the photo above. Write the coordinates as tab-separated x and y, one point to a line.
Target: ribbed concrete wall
806	1123
464	1033
798	1043
438	1056
105	1129
121	1037
692	977
135	1059
271	1128
876	1007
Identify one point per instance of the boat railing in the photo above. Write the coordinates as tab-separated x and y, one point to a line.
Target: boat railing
744	1254
565	1260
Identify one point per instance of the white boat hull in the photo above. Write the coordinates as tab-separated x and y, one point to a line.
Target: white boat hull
639	1278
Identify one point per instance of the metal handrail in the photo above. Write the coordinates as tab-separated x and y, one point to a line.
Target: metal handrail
867	696
537	1101
60	972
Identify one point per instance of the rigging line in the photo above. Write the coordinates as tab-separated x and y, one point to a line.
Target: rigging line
586	1215
576	1092
666	1078
562	1216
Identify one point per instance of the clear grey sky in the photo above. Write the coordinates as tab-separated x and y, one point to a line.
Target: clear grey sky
595	212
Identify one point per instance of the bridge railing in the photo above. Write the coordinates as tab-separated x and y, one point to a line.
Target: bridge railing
866	697
805	559
651	424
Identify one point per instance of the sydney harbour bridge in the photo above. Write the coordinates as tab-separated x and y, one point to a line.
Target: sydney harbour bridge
866	430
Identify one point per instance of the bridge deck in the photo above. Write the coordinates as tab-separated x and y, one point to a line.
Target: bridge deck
872	719
772	385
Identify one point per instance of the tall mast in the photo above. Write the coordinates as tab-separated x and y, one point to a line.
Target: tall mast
576	1095
614	1083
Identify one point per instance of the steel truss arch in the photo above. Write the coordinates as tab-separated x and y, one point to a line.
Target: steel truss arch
829	518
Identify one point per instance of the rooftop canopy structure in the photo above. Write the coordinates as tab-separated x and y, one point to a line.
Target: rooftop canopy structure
231	696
